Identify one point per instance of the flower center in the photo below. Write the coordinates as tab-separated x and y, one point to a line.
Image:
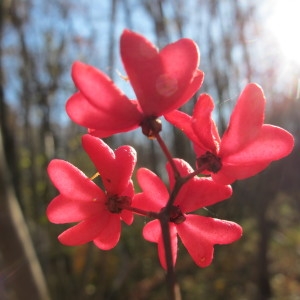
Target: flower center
116	203
151	126
176	215
210	161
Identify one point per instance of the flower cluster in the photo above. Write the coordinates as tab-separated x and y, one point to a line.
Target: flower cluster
162	81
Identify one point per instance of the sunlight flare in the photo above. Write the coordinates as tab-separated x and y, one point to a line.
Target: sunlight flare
284	24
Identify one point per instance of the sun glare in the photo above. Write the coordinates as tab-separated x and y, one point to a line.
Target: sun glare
284	25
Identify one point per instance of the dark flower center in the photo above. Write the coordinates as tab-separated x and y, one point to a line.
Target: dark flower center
151	126
210	161
116	203
176	215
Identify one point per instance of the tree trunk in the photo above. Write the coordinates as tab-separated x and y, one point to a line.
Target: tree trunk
23	274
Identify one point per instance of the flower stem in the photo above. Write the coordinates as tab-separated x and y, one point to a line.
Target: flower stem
164	218
168	155
173	287
195	173
149	214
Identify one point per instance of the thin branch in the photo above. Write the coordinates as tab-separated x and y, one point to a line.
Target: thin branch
167	154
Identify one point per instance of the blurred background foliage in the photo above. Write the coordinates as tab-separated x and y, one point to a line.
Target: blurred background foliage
239	43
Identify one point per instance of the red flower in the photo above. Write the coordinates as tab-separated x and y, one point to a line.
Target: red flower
162	81
198	234
248	145
99	213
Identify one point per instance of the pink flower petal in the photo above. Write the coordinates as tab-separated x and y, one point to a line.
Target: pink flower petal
246	120
93	83
174	247
197	192
124	165
102	122
143	202
160	80
72	183
182	121
85	231
200	128
201	192
199	234
127	216
129	190
272	143
230	173
191	89
183	168
152	233
155	194
66	210
208	138
115	168
110	235
101	92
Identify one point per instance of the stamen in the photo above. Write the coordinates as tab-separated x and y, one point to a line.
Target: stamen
176	215
210	161
116	203
124	77
95	176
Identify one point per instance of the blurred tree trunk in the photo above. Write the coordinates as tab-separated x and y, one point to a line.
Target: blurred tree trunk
112	36
10	151
23	274
263	278
267	188
27	97
25	277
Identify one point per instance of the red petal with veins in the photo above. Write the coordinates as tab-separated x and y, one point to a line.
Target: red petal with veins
67	210
110	236
101	92
152	233
183	122
86	231
208	138
155	194
230	173
115	168
271	144
67	179
197	192
183	168
163	80
201	192
127	216
199	235
104	123
246	120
